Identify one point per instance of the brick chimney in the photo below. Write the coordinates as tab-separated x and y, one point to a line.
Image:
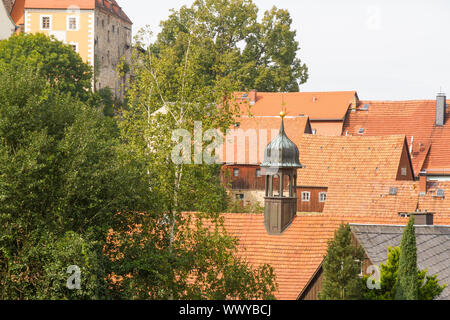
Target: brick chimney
440	109
423	218
423	183
420	218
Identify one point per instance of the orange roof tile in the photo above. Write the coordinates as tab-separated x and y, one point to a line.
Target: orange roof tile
297	253
264	129
325	159
415	119
64	4
59	4
316	105
374	198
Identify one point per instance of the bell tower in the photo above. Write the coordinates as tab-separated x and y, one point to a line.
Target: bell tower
281	161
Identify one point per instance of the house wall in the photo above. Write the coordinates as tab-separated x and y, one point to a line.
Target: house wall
247	179
327	128
313	205
83	37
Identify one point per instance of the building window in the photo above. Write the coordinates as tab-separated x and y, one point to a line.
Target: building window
239	196
103	23
258	173
314	131
74	46
404	171
306	196
113	28
108	35
72	23
236	172
322	196
46	22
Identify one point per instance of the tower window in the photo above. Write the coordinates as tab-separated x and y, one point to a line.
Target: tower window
306	196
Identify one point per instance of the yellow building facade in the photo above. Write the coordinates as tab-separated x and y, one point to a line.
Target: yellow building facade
72	26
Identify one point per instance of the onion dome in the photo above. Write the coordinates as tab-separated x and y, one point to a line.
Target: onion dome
281	152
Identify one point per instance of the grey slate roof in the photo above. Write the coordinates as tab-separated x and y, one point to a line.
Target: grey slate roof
433	247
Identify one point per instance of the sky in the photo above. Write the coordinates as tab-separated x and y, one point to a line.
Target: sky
385	50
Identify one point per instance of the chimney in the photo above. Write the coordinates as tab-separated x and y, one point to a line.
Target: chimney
420	218
422	183
423	218
252	97
440	109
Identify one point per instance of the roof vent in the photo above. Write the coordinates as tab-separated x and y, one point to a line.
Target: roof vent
393	191
366	107
361	131
237	124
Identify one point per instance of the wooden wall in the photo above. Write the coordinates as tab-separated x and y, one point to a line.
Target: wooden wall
313	205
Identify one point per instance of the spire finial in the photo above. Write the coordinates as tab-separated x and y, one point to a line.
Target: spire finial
282	114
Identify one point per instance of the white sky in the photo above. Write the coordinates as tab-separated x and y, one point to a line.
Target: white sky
385	50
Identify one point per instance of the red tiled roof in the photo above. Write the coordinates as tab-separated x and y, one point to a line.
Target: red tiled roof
265	130
59	4
81	4
325	159
372	197
297	253
316	105
415	119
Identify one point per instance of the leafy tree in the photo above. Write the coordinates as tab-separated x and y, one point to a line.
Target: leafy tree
428	286
260	55
341	267
55	62
61	170
174	256
406	287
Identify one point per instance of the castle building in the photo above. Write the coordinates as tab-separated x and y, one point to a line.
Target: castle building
99	30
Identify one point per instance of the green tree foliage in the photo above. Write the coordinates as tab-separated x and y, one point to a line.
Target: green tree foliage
341	267
61	170
55	62
406	287
201	262
260	55
174	90
428	286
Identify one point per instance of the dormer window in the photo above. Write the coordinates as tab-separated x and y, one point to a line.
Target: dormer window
322	196
306	196
361	131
